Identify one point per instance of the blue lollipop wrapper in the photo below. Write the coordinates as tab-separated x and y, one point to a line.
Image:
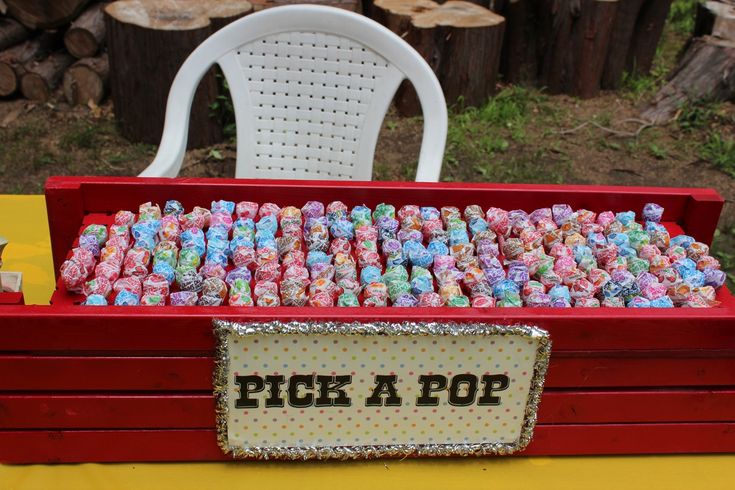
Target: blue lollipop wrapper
430	213
638	302
370	274
126	298
173	208
342	229
166	270
267	223
436	247
398	258
682	241
317	257
625	217
406	300
504	287
95	300
662	302
478	225
227	207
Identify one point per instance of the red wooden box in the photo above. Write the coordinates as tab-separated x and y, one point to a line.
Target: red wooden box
80	384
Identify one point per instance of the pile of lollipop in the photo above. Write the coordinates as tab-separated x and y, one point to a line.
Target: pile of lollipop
247	254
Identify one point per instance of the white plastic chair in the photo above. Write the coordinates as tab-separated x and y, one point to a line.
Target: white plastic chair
310	86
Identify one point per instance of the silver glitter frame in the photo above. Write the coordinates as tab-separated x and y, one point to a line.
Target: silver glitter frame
224	328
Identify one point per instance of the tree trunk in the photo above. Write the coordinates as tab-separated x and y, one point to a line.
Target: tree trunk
86	34
13	60
461	41
620	43
41	78
12	33
148	40
396	15
44	14
86	80
515	54
647	33
575	36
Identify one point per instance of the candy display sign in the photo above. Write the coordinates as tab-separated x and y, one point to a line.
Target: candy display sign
303	390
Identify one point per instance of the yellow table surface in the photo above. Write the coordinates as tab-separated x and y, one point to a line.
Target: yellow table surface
23	222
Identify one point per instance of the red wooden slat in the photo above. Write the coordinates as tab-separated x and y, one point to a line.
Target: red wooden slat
193	411
177	329
654	370
101	446
59	373
94	373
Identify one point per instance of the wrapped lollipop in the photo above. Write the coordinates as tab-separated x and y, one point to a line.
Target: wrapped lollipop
293	293
136	262
98	286
131	284
126	298
155	284
336	210
95	300
124	218
430	299
183	298
376	294
108	270
188	279
347	299
152	300
483	301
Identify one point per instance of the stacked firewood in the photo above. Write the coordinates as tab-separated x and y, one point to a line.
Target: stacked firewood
47	44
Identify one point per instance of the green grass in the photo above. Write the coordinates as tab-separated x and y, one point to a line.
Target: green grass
681	16
720	152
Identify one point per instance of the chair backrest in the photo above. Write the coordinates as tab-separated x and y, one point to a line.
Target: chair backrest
310	86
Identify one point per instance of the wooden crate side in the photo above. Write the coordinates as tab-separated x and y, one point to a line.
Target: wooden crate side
102	446
663	369
195	411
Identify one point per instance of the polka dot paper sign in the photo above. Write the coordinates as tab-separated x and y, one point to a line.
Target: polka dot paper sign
296	390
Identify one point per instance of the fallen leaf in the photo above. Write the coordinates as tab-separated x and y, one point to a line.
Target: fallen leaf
10	117
94	109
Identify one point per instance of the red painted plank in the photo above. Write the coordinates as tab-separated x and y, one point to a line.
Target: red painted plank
568	440
193	411
583	407
101	446
654	370
566	370
188	329
59	373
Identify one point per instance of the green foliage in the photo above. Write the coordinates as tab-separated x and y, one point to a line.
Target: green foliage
223	110
658	152
697	114
682	15
720	152
81	135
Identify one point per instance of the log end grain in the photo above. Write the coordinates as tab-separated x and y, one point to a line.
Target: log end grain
34	87
8	80
81	43
82	84
458	14
175	15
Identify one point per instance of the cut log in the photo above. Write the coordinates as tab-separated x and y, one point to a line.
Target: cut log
42	77
12	33
45	14
86	80
13	60
351	5
648	29
715	19
147	41
707	68
573	44
86	34
396	15
461	41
